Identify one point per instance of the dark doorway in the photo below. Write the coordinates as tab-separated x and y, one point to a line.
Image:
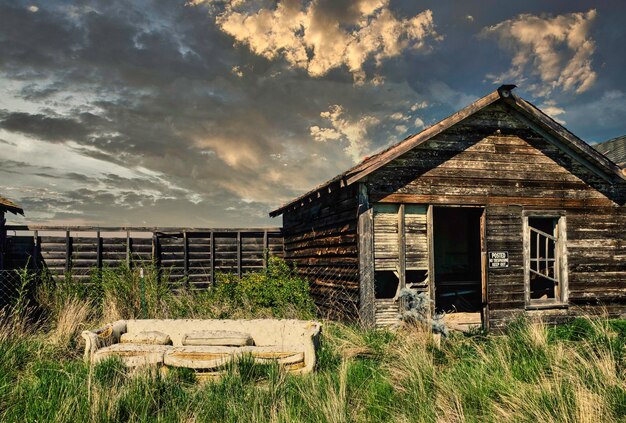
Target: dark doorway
457	242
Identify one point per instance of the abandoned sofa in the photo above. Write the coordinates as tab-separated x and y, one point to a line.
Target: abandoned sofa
206	346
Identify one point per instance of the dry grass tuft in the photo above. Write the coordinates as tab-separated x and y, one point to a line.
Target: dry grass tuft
349	341
72	318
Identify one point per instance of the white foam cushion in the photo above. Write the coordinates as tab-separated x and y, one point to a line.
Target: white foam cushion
283	354
133	354
217	338
199	357
148	337
214	357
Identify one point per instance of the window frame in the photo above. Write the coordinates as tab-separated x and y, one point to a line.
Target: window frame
560	256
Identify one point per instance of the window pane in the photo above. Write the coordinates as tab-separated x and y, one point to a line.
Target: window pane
543	274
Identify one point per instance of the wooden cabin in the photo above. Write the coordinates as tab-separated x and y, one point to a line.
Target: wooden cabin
10	207
495	211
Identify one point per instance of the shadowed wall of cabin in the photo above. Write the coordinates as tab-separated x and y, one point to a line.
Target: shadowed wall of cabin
320	237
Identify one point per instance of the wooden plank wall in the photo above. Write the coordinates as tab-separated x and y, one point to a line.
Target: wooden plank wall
321	238
399	231
195	253
416	237
596	247
387	249
505	287
386	244
596	255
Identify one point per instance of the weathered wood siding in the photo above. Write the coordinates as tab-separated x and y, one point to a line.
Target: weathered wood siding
321	239
387	237
596	246
416	238
505	287
386	252
596	255
399	231
494	159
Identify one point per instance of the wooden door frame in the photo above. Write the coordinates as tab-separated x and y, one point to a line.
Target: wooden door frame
484	274
484	313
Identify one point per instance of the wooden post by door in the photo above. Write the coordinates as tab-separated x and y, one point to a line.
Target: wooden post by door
483	266
431	255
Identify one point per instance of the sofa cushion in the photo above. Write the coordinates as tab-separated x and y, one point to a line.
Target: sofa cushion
213	357
217	338
199	357
290	356
133	354
148	337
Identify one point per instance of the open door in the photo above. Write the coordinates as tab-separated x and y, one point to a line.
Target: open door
459	263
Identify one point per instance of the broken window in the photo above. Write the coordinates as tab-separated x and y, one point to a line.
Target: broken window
416	278
400	249
386	284
545	275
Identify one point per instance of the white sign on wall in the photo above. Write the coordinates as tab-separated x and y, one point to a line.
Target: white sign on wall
498	259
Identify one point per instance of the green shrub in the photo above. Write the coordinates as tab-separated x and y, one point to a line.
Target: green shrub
142	290
277	289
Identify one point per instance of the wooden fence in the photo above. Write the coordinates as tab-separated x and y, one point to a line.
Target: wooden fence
197	254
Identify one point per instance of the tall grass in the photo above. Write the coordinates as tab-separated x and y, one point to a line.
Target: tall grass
533	372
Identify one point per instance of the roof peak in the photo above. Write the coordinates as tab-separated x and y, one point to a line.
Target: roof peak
505	90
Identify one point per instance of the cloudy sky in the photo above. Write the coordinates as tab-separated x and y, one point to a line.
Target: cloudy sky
209	113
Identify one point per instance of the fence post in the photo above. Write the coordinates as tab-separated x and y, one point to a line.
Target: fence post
128	248
142	293
35	250
68	252
239	253
266	249
98	250
186	254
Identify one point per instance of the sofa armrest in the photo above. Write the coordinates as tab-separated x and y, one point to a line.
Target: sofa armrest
102	337
311	343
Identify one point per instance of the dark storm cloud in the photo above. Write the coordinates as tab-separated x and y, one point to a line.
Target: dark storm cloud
207	132
42	126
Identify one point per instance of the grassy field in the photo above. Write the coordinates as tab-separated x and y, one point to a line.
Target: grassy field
534	373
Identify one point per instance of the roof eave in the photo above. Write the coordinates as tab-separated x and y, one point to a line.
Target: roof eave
602	162
378	160
428	133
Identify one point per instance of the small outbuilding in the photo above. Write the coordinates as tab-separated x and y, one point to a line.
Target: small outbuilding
6	206
496	211
614	149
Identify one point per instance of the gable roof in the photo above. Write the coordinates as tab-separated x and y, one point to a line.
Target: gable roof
8	205
614	149
524	110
